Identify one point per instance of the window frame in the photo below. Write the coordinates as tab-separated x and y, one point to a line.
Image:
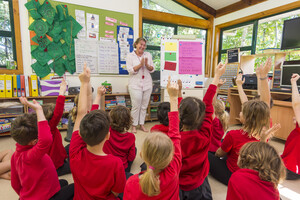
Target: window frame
16	38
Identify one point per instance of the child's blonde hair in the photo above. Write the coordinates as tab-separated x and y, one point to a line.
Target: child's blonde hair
157	151
73	112
48	110
262	157
256	116
220	112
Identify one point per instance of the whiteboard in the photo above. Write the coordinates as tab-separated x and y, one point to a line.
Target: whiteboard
184	60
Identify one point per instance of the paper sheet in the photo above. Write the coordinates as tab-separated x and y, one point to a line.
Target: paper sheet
108	57
170	46
86	51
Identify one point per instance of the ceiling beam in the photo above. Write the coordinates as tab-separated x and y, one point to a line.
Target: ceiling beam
237	6
198	7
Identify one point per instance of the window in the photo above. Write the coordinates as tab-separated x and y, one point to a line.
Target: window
154	31
169	6
256	36
7	47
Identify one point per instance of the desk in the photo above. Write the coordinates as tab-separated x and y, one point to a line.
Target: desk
281	112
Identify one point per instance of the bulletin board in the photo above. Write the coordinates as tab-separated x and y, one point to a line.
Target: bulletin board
184	60
105	29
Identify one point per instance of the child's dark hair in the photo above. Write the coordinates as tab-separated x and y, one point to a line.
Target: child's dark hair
121	119
48	110
162	113
262	157
94	127
24	128
192	113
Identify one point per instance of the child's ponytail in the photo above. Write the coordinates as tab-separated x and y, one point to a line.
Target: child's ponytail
223	116
74	109
150	183
157	151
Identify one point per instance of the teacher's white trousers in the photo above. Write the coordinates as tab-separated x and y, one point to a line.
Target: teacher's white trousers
139	101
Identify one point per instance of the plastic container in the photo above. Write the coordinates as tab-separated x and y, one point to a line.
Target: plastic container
108	87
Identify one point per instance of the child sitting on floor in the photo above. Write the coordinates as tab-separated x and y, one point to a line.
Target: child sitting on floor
261	170
96	175
33	174
290	155
162	155
5	157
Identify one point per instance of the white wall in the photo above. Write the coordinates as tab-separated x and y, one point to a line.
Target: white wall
119	83
267	5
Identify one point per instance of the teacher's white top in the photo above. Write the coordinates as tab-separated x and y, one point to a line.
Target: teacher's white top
141	79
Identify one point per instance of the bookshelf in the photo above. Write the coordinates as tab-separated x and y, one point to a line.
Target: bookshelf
111	100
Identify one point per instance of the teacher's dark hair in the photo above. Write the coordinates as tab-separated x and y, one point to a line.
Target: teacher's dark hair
138	40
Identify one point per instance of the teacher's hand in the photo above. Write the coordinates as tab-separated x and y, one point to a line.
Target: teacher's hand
143	62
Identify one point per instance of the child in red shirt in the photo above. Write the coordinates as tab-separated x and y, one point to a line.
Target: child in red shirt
162	155
96	175
33	174
290	155
260	173
162	114
121	143
53	114
196	128
255	116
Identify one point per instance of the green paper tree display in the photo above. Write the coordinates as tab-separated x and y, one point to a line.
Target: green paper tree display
62	28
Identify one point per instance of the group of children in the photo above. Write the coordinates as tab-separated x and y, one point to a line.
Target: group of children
179	153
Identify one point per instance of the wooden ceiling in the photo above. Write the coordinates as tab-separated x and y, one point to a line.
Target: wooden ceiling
224	10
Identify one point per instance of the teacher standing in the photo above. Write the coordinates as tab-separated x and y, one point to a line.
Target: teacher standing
139	65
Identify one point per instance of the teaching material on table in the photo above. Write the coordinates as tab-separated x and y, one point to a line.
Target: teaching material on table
184	60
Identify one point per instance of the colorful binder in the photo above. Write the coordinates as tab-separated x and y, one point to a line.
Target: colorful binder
34	86
8	86
2	86
23	93
19	85
26	86
14	85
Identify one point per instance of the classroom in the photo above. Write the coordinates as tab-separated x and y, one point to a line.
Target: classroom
208	87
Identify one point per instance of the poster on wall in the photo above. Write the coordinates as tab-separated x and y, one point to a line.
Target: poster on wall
125	42
184	60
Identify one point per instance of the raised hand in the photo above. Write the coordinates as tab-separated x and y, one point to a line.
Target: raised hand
101	90
172	88
220	69
295	78
63	87
258	71
85	76
266	68
221	82
34	105
179	82
267	134
239	79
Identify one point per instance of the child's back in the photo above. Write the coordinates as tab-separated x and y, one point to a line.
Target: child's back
162	115
121	143
33	175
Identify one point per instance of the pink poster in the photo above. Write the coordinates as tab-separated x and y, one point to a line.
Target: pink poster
109	36
109	32
190	57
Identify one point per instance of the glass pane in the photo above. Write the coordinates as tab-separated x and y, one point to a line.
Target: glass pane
152	33
293	56
4	16
237	37
6	50
262	60
169	6
200	33
269	33
156	58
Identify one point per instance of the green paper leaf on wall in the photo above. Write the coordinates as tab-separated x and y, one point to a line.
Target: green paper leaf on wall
47	11
41	56
73	26
69	51
58	66
62	12
70	66
55	50
41	70
39	27
42	41
32	7
55	29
